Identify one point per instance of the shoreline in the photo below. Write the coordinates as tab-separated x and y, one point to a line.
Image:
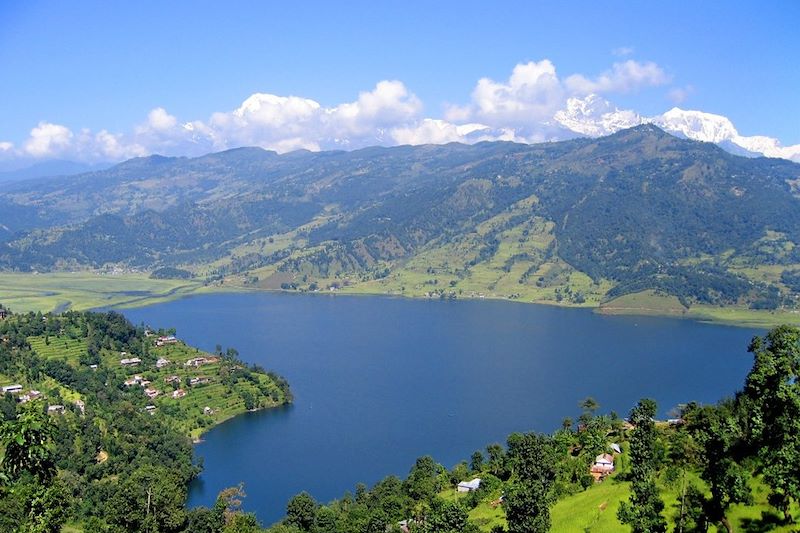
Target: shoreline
89	291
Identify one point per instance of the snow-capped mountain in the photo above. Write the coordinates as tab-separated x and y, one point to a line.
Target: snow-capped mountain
594	116
697	125
708	127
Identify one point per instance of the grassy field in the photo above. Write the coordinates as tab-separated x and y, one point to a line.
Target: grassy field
651	303
491	279
81	291
595	509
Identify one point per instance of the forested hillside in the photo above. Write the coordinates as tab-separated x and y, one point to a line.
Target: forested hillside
580	221
98	415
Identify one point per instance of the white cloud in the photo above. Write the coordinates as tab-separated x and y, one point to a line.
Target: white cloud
623	77
48	140
623	51
159	119
533	104
435	131
530	96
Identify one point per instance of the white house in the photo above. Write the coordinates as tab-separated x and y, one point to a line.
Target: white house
469	486
12	389
161	363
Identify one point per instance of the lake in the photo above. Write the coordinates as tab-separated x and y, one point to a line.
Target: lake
381	381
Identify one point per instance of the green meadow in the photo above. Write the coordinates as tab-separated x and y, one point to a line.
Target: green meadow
81	291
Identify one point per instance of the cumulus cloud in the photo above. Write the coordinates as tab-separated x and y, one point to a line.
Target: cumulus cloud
48	140
533	104
284	123
623	77
436	131
529	98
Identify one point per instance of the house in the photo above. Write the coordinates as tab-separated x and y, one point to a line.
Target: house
136	380
151	393
161	363
93	367
31	395
195	362
198	381
179	393
208	411
469	486
81	406
133	361
150	408
172	379
602	467
12	389
56	409
614	446
169	339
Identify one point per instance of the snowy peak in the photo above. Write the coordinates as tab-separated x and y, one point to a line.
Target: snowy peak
697	125
708	127
595	116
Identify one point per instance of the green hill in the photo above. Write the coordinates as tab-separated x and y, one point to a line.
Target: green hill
113	409
577	222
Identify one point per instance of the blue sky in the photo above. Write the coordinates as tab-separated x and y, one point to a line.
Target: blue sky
96	67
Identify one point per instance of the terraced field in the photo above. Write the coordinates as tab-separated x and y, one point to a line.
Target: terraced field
61	347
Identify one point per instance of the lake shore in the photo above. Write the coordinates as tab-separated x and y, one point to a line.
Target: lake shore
86	290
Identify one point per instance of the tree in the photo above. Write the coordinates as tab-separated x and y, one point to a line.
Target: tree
301	511
423	480
325	521
48	508
772	398
476	461
717	431
527	507
534	460
446	517
642	512
497	461
28	443
151	499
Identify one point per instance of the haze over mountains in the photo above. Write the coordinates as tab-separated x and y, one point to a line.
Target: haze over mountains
639	209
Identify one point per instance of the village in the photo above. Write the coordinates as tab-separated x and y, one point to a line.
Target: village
197	388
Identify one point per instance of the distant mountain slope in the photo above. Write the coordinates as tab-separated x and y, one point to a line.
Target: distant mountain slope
636	210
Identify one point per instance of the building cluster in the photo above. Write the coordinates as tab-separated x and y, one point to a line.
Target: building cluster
17	391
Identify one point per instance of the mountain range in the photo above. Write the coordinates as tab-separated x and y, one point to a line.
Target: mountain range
583	220
594	116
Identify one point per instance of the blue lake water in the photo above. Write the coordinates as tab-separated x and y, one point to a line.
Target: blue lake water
379	381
